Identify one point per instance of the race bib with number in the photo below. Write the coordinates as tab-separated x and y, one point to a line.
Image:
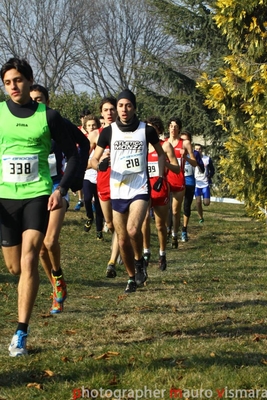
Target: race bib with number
153	169
20	168
132	163
52	164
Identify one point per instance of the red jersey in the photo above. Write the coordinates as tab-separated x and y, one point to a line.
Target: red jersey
103	181
157	198
177	181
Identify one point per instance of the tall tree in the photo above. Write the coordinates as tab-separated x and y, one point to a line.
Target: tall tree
238	92
198	47
44	32
200	43
114	43
70	105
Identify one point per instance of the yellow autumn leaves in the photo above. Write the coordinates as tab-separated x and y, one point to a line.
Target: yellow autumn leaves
239	94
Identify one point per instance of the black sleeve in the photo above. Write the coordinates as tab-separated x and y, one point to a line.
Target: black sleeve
62	135
81	140
199	161
104	139
211	168
151	135
83	150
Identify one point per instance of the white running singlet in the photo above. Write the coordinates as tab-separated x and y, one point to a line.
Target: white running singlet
128	161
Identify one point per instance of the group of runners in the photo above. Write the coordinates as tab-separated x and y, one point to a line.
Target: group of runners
182	165
127	167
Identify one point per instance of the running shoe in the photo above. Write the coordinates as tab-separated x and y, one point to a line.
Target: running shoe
56	306
147	258
111	271
78	205
184	237
201	221
131	286
88	225
60	288
18	344
140	271
162	263
174	242
99	235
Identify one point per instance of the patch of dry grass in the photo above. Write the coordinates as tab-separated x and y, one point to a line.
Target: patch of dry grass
200	324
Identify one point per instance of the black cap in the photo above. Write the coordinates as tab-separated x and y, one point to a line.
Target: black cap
127	94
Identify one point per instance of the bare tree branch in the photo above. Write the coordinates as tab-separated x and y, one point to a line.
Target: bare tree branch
115	47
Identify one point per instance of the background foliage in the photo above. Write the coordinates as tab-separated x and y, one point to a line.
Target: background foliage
204	61
238	92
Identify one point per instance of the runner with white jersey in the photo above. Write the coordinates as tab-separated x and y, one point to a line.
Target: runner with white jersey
128	140
203	181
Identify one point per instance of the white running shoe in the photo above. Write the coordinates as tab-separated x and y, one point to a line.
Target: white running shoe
18	344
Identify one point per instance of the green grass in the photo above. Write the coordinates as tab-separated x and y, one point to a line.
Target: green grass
199	325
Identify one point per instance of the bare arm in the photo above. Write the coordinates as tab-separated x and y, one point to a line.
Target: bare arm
172	164
161	158
97	155
93	138
188	150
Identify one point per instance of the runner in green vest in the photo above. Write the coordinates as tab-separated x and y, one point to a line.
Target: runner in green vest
26	130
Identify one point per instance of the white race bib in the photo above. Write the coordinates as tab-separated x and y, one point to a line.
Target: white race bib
132	163
20	168
188	169
52	164
153	169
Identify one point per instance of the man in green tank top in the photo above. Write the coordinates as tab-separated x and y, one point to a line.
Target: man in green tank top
26	130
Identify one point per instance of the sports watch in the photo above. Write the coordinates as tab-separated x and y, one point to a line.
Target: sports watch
61	190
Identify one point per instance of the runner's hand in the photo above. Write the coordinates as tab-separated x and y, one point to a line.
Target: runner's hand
55	201
104	164
158	184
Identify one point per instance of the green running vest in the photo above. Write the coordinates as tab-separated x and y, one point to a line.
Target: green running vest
24	148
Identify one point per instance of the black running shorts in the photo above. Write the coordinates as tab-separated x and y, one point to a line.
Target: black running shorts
17	216
122	206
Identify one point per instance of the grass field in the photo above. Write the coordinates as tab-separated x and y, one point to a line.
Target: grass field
198	328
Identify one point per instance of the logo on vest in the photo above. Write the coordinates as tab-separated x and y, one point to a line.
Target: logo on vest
128	145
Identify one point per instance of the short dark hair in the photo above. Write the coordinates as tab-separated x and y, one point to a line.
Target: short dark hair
85	112
111	100
156	122
41	89
188	134
20	65
177	120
